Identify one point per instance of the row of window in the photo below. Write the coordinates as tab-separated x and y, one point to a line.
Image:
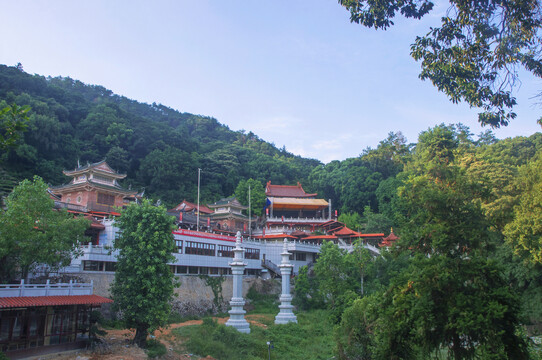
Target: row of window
89	265
204	270
198	248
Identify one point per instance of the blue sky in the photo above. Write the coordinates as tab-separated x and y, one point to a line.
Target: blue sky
296	73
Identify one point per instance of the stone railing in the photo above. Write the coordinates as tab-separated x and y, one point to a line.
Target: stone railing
47	289
297	220
98	249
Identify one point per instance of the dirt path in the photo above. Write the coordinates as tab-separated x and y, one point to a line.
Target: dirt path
119	345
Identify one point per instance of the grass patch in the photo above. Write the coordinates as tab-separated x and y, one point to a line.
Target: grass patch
311	338
155	348
175	318
263	303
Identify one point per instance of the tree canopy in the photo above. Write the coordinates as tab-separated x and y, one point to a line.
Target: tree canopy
33	233
476	53
143	282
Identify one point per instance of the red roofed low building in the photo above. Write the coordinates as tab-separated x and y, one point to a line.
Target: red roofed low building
45	318
389	240
189	207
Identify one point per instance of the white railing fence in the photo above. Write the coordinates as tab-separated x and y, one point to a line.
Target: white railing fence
47	289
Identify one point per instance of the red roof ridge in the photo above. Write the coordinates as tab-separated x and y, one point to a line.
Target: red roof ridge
295	191
34	301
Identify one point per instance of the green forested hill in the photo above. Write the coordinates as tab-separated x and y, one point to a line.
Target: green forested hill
158	147
161	149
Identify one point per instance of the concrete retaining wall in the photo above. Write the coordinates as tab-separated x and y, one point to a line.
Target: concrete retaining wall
193	296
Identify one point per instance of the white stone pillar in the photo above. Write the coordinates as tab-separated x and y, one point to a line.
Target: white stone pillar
285	314
237	313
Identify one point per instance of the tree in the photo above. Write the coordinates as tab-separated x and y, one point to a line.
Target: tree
475	54
352	220
452	295
257	195
33	233
143	282
337	278
524	232
13	121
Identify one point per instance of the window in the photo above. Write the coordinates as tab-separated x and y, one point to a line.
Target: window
89	265
252	254
225	251
182	269
300	256
197	248
179	244
106	199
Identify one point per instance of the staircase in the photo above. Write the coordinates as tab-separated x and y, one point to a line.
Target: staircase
271	266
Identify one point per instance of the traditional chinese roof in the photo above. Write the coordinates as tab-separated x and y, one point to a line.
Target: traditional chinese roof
331	225
34	301
231	201
92	184
98	167
285	203
346	232
389	240
290	191
95	224
187	206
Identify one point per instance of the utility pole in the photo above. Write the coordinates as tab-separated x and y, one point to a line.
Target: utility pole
249	215
197	221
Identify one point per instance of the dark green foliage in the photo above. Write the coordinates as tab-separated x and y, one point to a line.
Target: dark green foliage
306	294
143	284
13	121
32	232
155	349
476	53
257	195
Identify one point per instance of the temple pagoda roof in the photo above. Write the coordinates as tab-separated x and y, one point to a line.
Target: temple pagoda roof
289	191
73	187
389	240
281	203
97	167
187	206
231	201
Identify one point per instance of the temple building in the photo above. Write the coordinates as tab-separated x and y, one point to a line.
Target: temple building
228	215
94	190
290	208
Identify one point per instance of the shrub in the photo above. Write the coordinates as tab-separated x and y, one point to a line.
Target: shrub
155	348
